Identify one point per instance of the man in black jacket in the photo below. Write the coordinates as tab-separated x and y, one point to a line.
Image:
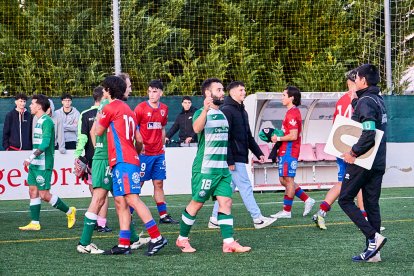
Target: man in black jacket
17	129
184	123
369	109
240	141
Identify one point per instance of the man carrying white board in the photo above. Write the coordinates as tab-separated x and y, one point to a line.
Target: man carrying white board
369	109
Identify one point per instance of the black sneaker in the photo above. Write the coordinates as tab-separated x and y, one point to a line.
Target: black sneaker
154	247
116	250
168	220
104	229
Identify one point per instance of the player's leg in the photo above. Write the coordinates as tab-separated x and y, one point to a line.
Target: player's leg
202	188
283	170
241	180
35	204
85	244
223	192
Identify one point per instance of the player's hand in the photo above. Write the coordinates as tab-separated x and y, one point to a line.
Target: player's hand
262	159
348	158
167	141
26	163
188	140
208	102
274	139
232	167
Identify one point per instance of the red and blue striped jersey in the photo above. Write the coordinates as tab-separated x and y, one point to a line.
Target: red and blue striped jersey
120	121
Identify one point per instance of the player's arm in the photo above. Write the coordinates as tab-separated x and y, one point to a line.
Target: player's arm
138	141
292	136
46	139
103	119
92	134
163	135
82	136
200	120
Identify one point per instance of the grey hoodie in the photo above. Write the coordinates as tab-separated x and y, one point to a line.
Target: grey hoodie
70	123
57	120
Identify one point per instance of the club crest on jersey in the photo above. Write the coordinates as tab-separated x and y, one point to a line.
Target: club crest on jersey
154	125
135	177
162	112
149	114
293	122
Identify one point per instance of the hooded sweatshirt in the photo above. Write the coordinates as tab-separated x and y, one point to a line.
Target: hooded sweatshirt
70	123
17	130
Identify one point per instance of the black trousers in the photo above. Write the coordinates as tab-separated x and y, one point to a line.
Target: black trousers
370	181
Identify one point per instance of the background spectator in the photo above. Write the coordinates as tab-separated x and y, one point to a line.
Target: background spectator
70	116
184	123
17	129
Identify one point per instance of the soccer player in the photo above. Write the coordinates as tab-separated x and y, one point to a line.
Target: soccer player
40	164
240	142
288	153
343	108
210	173
152	116
370	111
120	122
86	146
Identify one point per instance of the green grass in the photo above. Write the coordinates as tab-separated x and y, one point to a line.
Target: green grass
289	247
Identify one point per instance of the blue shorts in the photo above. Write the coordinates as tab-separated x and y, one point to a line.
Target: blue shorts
152	167
341	169
287	165
125	179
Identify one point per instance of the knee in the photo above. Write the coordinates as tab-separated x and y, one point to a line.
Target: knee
158	184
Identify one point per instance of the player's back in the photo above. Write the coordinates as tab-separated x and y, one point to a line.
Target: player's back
343	107
121	123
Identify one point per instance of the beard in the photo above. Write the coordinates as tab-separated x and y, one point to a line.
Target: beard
217	101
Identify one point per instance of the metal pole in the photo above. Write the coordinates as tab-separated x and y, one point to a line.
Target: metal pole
117	42
388	63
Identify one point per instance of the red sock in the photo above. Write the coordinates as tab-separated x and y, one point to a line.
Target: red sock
287	203
301	194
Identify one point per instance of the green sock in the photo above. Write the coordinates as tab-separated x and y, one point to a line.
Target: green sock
226	225
186	223
60	205
35	212
88	227
134	235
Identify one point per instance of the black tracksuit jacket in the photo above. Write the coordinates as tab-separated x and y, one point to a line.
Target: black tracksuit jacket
240	136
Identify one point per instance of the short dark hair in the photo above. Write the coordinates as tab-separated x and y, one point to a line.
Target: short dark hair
234	84
156	84
294	92
66	96
20	96
207	83
370	73
115	86
42	100
186	98
97	93
123	76
351	75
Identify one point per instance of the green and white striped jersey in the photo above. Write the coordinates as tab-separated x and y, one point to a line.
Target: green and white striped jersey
44	140
101	146
211	155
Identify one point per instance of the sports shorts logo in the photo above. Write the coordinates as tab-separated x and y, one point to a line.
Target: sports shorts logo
202	193
116	173
40	180
294	165
135	177
141	174
347	176
106	180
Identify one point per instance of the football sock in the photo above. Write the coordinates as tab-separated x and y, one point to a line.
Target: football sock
134	235
35	205
57	203
88	226
162	209
226	226
101	221
124	238
287	203
186	223
152	229
301	194
324	208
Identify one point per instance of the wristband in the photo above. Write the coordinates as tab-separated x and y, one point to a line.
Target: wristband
31	157
278	138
